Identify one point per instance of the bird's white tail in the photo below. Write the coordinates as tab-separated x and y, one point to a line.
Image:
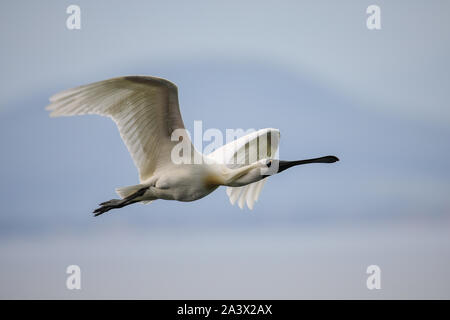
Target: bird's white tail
124	192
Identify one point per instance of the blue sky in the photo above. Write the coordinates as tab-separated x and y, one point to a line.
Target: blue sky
376	99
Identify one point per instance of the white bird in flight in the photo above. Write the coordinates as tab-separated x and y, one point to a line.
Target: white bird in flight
146	111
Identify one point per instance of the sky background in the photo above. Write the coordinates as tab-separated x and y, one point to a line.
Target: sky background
376	99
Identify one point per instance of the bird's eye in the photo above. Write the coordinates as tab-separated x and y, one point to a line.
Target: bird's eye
269	163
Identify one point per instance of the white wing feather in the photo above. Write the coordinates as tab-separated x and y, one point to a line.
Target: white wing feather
234	153
145	109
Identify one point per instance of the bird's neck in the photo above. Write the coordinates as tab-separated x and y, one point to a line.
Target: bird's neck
230	176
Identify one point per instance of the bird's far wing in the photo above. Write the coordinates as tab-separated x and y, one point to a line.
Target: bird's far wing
257	145
248	194
145	109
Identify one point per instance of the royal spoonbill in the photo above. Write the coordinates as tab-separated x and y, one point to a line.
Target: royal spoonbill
146	111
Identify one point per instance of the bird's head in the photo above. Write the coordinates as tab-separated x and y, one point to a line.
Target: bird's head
270	167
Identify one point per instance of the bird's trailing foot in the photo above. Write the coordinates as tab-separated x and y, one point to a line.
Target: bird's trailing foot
119	203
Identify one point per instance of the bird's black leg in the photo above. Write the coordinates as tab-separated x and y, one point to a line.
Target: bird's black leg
119	203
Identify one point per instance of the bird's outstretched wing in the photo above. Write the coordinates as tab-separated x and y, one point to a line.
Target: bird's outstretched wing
145	109
252	147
